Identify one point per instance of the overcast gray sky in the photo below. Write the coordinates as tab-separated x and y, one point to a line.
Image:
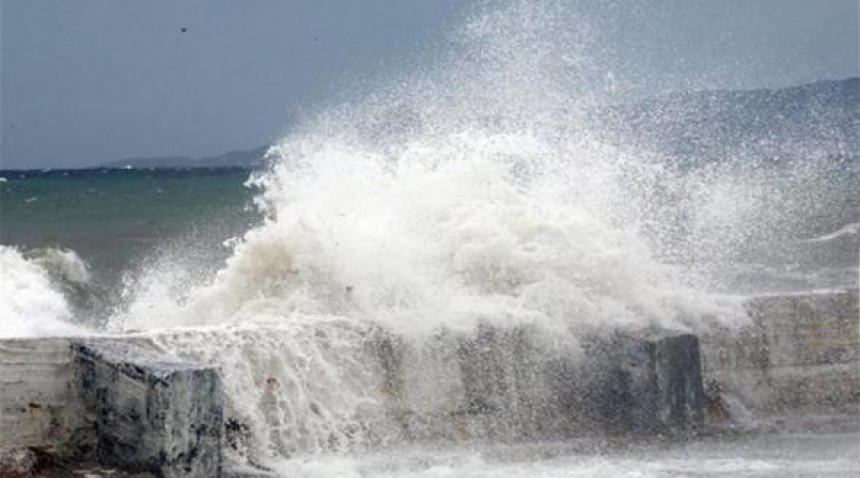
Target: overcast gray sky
88	81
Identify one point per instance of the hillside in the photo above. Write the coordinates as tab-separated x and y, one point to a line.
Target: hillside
252	158
817	118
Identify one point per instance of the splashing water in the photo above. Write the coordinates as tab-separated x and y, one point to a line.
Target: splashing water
32	303
466	193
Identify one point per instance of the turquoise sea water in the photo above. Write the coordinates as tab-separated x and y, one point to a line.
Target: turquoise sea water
117	221
112	217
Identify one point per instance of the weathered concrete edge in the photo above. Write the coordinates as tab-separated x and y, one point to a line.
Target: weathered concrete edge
41	371
137	398
799	351
149	411
36	403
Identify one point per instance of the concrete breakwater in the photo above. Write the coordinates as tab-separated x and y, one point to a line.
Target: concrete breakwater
124	402
801	353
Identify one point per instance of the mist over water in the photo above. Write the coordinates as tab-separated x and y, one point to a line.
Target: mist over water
477	189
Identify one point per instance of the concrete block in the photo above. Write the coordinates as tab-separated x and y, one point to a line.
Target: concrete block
512	384
36	403
149	411
812	329
799	351
647	383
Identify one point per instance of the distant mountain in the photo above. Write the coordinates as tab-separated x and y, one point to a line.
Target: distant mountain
253	158
817	118
821	117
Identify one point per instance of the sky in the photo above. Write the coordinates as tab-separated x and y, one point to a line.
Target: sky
91	81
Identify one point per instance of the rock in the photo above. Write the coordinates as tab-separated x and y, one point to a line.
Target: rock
149	411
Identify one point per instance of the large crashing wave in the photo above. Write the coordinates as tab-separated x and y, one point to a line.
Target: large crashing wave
469	191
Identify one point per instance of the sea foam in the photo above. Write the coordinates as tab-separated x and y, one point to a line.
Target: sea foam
32	303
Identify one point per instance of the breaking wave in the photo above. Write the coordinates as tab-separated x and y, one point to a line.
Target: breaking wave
33	287
469	191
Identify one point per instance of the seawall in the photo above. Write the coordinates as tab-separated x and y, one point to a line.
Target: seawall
123	402
799	355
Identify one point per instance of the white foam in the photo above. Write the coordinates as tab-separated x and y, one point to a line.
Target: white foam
31	305
62	264
830	455
444	232
847	230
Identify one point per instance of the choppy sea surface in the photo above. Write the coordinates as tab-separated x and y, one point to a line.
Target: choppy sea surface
112	216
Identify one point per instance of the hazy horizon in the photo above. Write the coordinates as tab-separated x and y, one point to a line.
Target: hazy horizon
252	148
98	81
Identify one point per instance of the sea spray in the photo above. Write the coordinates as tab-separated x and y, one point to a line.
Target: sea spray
464	240
62	265
469	190
742	224
32	291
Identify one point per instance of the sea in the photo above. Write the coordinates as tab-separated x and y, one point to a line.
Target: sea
92	228
472	192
